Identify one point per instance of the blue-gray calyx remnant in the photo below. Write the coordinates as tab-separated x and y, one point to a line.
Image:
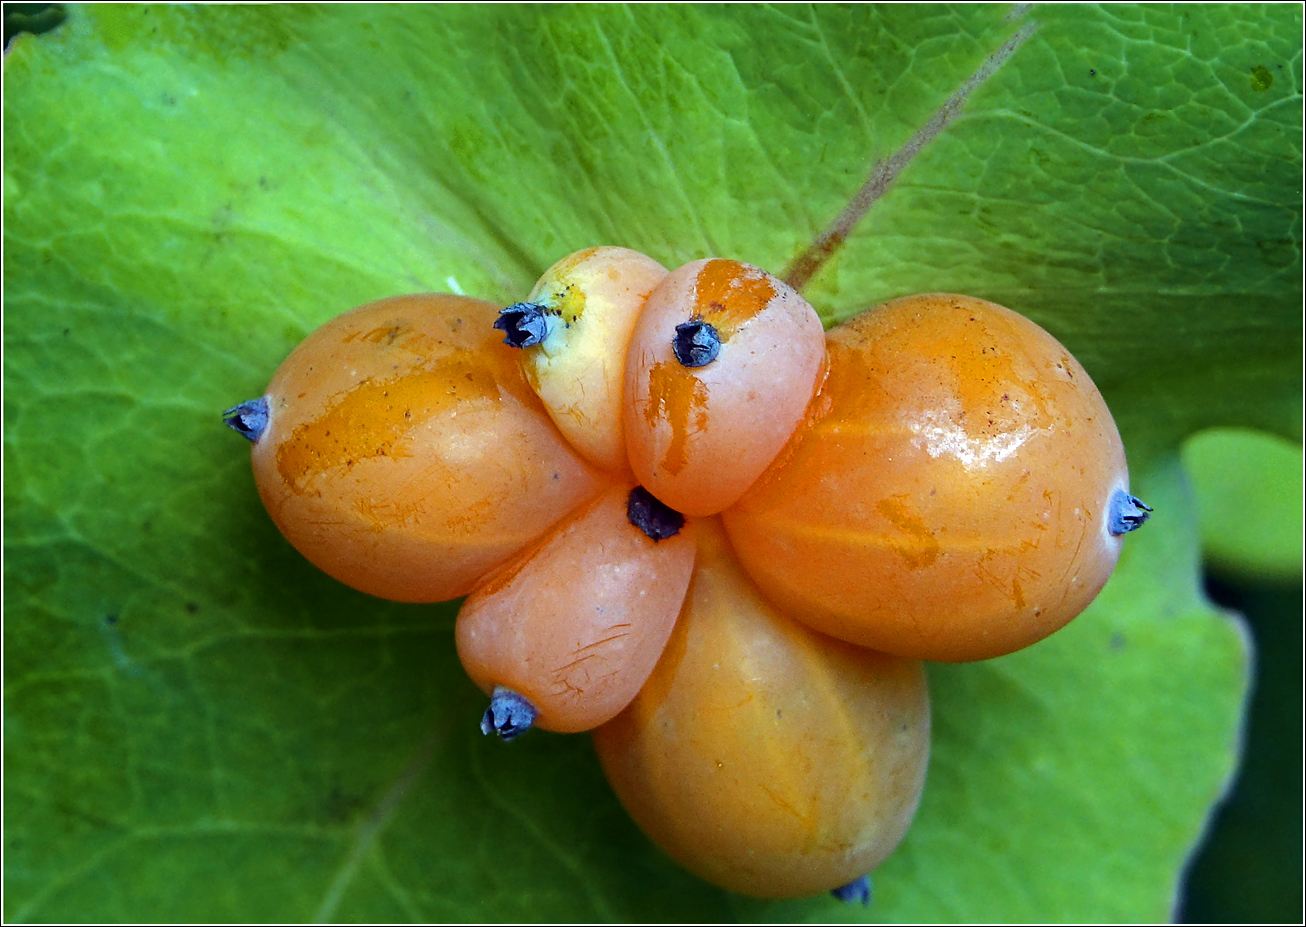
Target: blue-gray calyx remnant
509	715
655	518
250	418
1126	513
524	325
856	891
696	343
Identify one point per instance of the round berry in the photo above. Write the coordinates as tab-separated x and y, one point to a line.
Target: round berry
575	326
722	363
956	494
401	450
575	624
762	756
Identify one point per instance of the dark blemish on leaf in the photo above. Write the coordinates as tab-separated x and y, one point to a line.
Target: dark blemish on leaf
110	619
1262	79
510	714
696	344
263	182
191	608
1117	641
249	419
1126	513
341	806
654	518
855	892
523	324
67	330
1278	252
1092	73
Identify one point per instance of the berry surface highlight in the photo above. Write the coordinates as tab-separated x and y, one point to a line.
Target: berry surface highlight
948	497
406	455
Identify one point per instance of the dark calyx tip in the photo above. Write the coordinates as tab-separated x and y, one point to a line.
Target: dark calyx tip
656	519
856	891
1126	513
524	324
509	715
248	418
696	343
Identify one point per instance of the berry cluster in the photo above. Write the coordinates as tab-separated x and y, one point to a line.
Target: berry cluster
689	520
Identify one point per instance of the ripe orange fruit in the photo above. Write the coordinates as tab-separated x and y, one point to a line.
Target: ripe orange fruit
722	363
575	624
762	756
574	328
956	493
401	450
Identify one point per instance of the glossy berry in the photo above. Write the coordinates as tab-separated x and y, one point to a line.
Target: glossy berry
575	624
762	756
951	497
722	363
574	328
404	453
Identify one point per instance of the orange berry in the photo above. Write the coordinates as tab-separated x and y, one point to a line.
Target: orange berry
722	363
951	497
762	756
575	326
401	450
575	625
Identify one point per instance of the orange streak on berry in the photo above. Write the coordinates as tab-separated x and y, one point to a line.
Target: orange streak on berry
380	418
948	502
406	455
729	294
677	395
765	757
919	546
707	413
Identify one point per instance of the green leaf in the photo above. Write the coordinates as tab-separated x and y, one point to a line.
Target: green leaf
1249	499
200	726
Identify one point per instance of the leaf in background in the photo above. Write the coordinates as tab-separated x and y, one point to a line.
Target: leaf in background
198	725
1249	498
